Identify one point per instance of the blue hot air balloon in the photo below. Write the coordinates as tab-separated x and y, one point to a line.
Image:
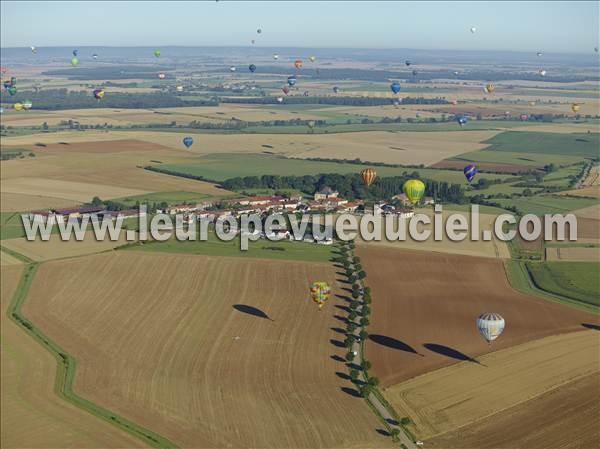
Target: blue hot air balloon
252	68
188	141
291	80
462	120
470	171
395	86
75	52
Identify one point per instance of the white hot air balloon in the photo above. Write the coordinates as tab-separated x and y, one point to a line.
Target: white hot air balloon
276	56
542	72
490	326
473	30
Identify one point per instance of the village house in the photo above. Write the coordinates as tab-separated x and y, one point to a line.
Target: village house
326	193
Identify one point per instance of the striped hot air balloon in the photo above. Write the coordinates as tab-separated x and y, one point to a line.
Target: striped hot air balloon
470	171
368	176
320	293
490	326
414	190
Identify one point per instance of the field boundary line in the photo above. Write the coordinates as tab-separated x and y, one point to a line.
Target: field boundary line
66	366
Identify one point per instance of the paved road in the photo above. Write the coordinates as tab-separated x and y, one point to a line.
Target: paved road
374	400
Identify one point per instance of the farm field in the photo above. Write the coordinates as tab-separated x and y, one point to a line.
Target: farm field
197	363
584	145
548	204
575	254
468	392
30	408
576	280
539	423
416	291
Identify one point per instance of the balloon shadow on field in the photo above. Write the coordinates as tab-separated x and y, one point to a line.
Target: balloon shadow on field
351	392
449	352
393	343
251	311
591	326
383	432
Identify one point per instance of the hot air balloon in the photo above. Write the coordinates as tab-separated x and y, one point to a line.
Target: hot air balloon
27	104
489	88
291	80
18	106
320	293
157	53
395	87
336	89
596	49
259	30
575	107
310	124
13	80
276	56
539	53
188	141
74	61
523	117
473	30
542	72
396	103
368	176
312	58
1	110
162	76
98	94
414	72
470	171
462	120
12	90
179	88
33	50
232	69
454	102
407	62
305	93
532	103
414	190
298	63
252	68
279	99
455	72
490	326
252	41
95	56
285	89
75	52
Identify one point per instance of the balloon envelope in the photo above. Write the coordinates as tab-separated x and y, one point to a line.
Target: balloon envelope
157	53
462	120
279	99
395	87
312	58
489	88
98	94
336	89
320	293
18	106
414	190
470	171
285	89
490	326
275	56
368	176
27	104
575	107
74	61
473	30
298	63
162	76
188	141
291	80
252	68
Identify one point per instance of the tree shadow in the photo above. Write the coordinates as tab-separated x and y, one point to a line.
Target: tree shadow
351	392
337	358
342	375
250	310
449	352
393	343
338	330
383	432
591	326
352	365
337	343
392	421
344	308
341	318
338	265
343	281
343	298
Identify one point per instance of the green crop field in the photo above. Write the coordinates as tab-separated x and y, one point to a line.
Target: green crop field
575	280
261	249
219	167
540	205
584	145
168	197
513	157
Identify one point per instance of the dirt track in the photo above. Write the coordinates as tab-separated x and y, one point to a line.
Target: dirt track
425	306
158	339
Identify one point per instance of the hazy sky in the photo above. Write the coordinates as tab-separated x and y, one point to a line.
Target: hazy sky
553	26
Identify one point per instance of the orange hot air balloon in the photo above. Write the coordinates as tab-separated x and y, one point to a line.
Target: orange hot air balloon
298	63
368	176
575	107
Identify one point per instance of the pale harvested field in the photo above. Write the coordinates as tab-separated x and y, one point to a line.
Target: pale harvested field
573	254
182	115
399	148
588	191
425	307
593	177
480	248
6	259
566	128
55	248
17	202
563	418
32	415
462	394
591	212
158	340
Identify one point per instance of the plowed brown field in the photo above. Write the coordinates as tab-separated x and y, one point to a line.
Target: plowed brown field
425	306
177	343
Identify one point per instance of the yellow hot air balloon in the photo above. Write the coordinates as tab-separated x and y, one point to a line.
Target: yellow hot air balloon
489	88
320	293
312	58
18	106
368	176
414	190
532	103
575	107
